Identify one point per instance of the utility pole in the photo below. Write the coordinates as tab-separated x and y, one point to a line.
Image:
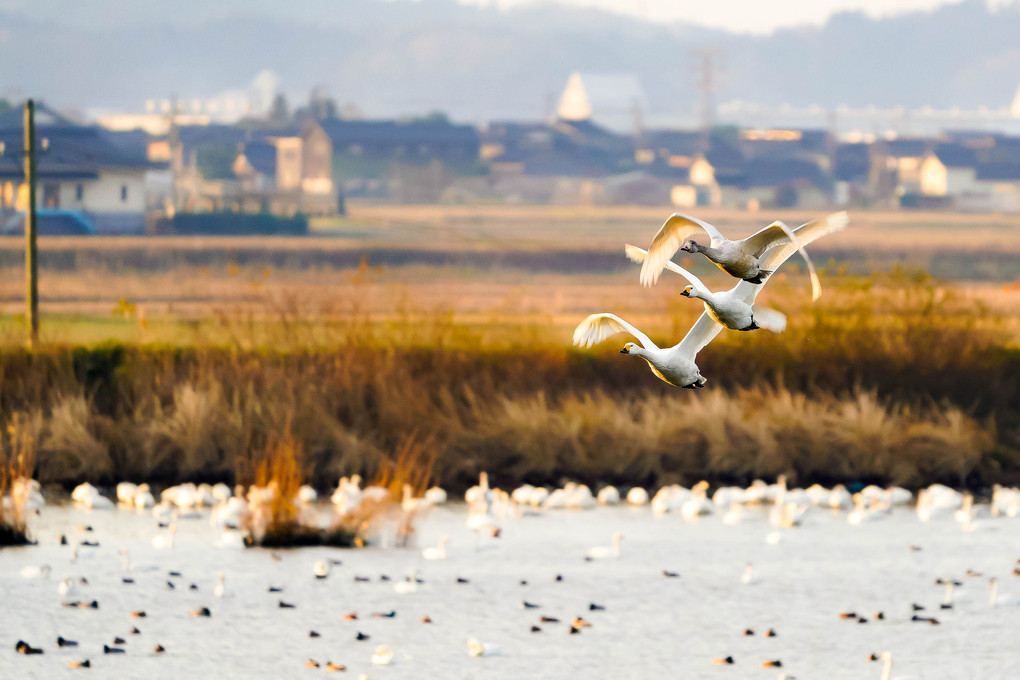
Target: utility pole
705	73
31	251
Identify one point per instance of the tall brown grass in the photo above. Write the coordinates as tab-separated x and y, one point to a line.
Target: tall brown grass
17	462
894	377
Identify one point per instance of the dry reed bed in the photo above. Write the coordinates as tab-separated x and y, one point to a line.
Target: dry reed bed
17	463
926	390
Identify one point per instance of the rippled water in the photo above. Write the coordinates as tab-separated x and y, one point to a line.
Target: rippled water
651	625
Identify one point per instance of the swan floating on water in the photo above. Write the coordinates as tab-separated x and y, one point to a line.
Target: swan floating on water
608	495
637	496
382	656
476	648
605	552
438	551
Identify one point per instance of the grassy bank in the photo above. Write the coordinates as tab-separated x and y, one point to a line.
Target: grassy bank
902	384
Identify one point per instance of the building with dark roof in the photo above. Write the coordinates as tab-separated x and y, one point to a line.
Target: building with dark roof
81	168
393	140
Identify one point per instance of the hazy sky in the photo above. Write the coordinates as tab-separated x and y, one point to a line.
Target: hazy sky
752	16
743	16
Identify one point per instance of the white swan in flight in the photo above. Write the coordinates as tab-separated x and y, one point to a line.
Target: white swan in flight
743	259
674	365
727	308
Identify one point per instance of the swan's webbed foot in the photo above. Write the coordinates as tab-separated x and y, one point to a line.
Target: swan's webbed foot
762	275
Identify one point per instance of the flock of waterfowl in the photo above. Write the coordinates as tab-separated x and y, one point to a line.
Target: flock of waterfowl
489	513
752	260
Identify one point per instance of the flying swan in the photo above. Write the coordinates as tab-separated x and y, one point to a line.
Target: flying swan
726	308
743	259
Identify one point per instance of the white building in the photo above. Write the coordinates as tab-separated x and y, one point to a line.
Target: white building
86	176
609	99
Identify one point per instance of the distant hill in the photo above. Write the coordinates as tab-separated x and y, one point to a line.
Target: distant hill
404	57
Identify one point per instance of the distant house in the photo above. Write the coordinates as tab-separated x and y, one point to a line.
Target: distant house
676	148
787	183
998	189
414	141
851	172
907	156
91	177
716	178
948	170
289	174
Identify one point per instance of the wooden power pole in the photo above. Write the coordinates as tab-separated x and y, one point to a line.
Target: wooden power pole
31	252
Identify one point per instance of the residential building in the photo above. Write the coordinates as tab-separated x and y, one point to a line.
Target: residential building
90	175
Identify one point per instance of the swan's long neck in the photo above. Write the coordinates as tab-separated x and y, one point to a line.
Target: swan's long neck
949	593
708	251
887	667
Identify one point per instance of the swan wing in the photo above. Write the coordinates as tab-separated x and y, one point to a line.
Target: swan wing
770	319
639	255
775	234
671	235
598	327
702	332
801	237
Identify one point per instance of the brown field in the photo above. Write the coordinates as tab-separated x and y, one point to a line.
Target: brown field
452	325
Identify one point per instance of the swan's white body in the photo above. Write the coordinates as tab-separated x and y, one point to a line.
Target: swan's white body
726	496
749	577
670	499
637	496
862	515
66	586
609	495
840	498
87	496
476	648
347	496
727	308
746	259
307	494
382	656
438	551
321	568
126	493
221	585
143	497
480	493
674	365
33	571
435	495
1000	600
698	504
165	541
26	494
605	552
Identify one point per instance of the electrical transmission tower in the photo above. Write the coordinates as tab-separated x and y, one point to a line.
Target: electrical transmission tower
706	79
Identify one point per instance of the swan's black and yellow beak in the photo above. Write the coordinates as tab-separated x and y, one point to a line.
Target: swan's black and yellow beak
686	292
625	350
